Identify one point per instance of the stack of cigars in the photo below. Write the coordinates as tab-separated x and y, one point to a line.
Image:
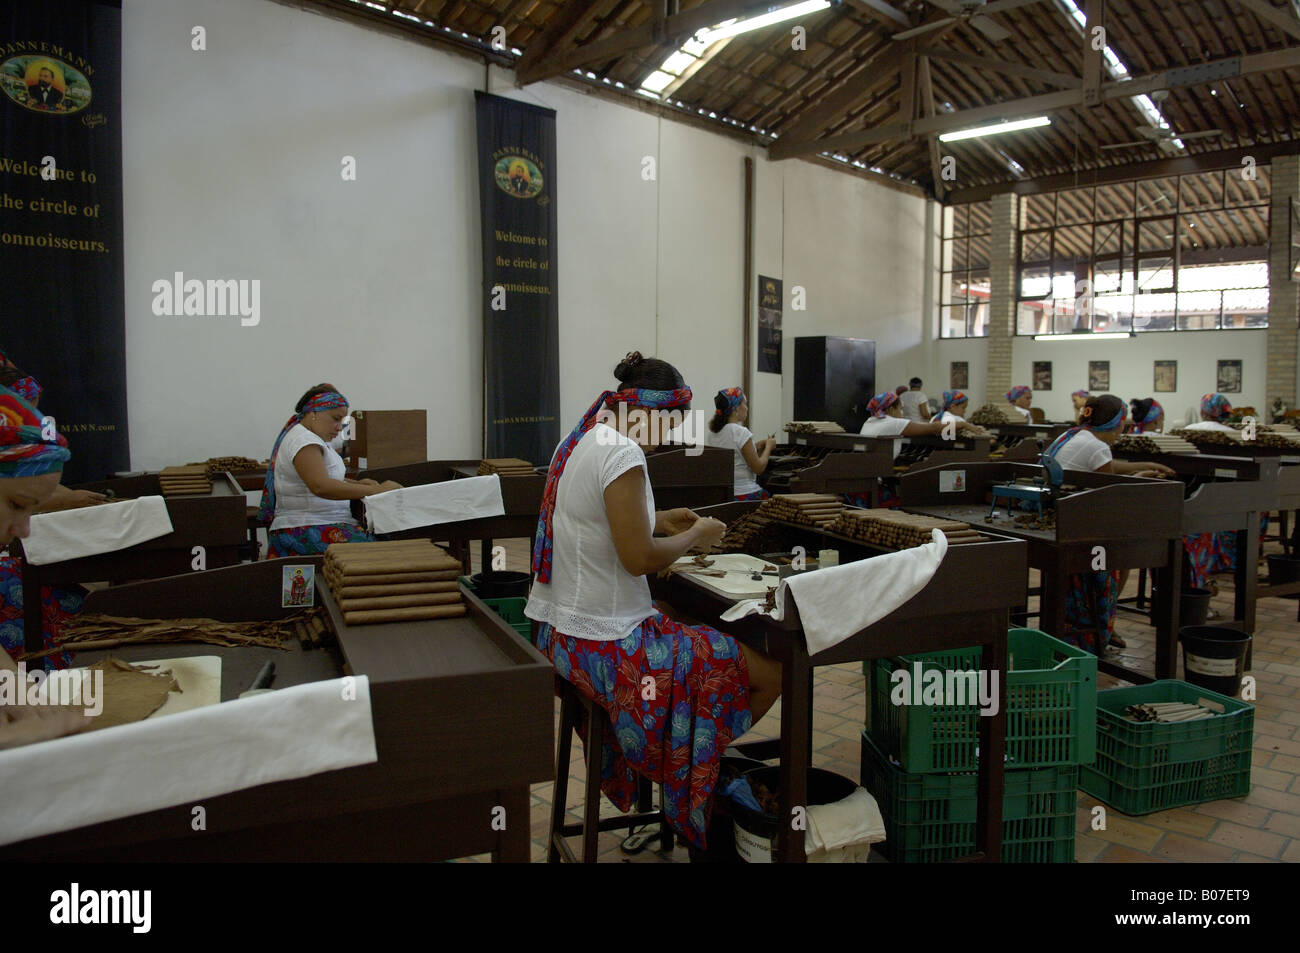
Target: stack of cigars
506	466
891	529
215	465
399	581
185	481
813	426
816	509
1153	443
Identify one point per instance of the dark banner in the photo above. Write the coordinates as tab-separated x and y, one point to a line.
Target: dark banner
61	301
769	324
521	324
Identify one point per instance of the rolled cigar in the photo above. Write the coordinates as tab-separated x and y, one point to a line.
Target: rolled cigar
412	561
382	579
302	634
379	547
393	568
400	602
372	616
318	629
401	589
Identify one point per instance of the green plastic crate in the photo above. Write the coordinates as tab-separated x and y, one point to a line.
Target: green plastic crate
1143	767
1051	708
931	817
512	610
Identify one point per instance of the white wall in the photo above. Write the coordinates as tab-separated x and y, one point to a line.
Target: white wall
1131	367
232	160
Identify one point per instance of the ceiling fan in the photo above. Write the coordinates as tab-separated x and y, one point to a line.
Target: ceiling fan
974	12
1156	135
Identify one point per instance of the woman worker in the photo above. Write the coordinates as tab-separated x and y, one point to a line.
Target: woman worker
887	420
1148	415
31	462
1087	447
306	494
595	545
1079	398
1215	409
1021	398
953	408
727	430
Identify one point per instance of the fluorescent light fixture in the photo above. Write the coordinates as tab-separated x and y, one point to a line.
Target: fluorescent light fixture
1106	336
996	129
736	27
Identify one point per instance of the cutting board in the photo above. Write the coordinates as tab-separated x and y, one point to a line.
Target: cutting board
199	679
739	582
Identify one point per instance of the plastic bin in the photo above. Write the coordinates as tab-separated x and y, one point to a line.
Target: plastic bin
1151	766
511	609
1051	708
931	817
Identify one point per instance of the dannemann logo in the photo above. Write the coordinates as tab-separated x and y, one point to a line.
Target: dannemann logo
45	78
518	172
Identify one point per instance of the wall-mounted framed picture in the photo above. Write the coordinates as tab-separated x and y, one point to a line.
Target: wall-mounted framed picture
959	375
1099	376
1228	379
1042	375
1166	377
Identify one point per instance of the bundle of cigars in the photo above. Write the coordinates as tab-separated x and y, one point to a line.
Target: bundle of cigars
743	534
185	481
890	529
813	426
215	465
816	509
1152	443
399	581
506	466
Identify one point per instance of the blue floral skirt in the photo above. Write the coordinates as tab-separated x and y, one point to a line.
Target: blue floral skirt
756	495
1082	626
57	604
312	540
676	696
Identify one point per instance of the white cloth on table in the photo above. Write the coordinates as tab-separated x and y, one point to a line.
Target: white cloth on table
91	530
878	586
144	766
432	504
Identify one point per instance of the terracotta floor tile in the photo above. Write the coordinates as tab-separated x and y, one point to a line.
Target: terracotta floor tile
1244	838
1288	825
1118	854
1183	821
1129	832
1244	814
1192	850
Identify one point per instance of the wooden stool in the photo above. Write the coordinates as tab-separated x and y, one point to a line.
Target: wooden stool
573	704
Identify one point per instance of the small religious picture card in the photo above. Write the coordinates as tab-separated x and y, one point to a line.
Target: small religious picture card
297	587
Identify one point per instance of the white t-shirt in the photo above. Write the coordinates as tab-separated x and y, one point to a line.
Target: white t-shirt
1024	412
591	595
1210	425
295	505
1084	451
734	437
911	401
886	427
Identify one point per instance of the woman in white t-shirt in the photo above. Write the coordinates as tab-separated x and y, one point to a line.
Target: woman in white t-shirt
1021	399
1087	447
305	498
887	420
675	695
1214	410
727	430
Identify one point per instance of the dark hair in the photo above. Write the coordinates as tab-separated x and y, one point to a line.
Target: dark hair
310	395
914	382
9	375
647	373
900	389
1140	408
722	410
1100	409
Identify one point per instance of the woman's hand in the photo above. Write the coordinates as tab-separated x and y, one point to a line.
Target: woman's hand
1163	473
384	487
367	482
24	724
672	522
65	499
707	531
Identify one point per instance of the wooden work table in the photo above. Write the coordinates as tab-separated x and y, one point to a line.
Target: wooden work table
463	719
967	603
1136	522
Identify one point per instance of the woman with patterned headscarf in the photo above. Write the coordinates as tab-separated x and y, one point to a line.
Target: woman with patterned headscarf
1078	398
1021	398
306	494
727	430
886	420
1092	596
31	462
1148	415
1215	409
952	409
594	547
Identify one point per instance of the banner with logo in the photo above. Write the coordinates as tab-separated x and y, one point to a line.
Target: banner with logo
770	305
521	324
61	303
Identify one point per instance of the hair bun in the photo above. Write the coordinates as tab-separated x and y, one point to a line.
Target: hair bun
633	359
624	371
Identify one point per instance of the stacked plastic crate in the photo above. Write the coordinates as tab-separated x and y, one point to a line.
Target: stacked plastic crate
919	760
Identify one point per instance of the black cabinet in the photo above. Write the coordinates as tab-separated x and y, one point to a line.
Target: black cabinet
834	379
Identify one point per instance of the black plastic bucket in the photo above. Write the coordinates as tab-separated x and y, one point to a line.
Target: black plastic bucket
721	838
1194	606
1283	569
1214	657
501	585
756	834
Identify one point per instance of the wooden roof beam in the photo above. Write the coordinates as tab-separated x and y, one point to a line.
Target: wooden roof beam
562	27
1263	10
1198	75
1050	77
880	10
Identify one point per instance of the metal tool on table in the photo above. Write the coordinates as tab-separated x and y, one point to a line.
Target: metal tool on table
1039	495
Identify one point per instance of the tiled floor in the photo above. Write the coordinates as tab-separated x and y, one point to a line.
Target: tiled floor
1263	827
